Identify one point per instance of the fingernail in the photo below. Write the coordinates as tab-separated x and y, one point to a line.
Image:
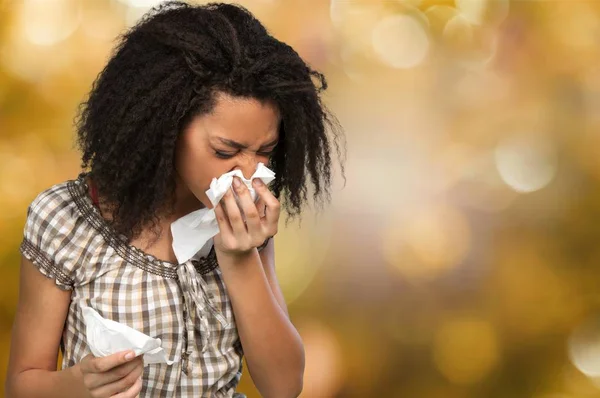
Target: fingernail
130	355
236	183
258	182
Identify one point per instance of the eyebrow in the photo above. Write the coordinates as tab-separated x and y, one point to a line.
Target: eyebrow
237	145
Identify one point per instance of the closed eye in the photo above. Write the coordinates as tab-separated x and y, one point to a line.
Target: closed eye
224	155
229	155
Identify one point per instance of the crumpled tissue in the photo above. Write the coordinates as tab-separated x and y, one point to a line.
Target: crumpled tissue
192	231
106	337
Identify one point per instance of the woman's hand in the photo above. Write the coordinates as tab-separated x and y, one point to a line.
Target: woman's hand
236	236
117	375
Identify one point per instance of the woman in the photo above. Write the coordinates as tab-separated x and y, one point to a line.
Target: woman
191	92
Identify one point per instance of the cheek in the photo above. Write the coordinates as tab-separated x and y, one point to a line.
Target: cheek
191	163
197	167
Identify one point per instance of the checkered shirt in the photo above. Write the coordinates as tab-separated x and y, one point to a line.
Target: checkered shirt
186	306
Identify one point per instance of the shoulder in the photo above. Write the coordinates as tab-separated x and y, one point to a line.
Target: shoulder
51	210
51	202
49	231
54	218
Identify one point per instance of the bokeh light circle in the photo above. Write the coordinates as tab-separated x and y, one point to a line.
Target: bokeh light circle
47	22
584	347
466	350
526	163
324	362
400	41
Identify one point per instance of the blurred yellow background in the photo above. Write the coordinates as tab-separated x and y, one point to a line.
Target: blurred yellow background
461	257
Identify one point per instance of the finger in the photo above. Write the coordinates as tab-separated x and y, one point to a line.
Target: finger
100	380
222	220
233	213
261	207
123	383
92	367
132	391
104	364
249	210
271	202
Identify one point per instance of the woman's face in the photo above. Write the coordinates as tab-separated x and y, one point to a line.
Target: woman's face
238	134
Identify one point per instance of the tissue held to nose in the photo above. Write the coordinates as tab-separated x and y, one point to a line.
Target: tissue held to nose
219	186
192	231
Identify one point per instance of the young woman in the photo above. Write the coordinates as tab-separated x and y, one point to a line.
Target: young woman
190	93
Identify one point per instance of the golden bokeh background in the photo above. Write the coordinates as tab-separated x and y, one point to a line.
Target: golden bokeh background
462	257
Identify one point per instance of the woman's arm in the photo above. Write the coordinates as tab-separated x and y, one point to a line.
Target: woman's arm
40	318
37	330
272	346
267	258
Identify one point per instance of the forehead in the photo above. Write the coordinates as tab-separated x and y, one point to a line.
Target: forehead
245	120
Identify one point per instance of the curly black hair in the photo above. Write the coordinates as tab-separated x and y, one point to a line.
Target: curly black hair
166	70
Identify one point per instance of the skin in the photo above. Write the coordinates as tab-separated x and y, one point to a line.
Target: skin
244	130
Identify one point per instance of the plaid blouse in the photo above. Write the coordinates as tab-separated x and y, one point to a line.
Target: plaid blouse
186	306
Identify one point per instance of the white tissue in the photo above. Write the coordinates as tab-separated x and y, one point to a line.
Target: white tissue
106	337
192	231
219	186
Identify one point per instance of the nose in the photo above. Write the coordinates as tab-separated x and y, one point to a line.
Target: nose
247	166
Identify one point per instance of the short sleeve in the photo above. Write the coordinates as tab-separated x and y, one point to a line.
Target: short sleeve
45	234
